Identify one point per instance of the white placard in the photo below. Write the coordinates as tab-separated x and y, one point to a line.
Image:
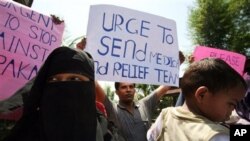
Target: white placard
132	46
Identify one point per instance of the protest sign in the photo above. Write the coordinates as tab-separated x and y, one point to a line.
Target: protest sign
26	39
235	60
132	46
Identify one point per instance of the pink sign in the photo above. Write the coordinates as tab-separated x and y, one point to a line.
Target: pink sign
26	39
235	60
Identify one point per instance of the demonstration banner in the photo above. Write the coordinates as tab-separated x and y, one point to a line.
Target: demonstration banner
132	46
235	60
26	39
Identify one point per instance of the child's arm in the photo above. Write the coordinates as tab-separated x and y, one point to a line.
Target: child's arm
155	130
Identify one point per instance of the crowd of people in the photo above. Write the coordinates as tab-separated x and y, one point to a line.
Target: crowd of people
62	102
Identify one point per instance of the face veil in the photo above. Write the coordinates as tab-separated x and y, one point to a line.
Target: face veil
64	110
67	112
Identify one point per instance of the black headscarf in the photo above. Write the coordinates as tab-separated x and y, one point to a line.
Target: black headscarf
60	111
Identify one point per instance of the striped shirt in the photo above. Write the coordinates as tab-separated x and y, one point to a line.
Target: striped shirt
133	126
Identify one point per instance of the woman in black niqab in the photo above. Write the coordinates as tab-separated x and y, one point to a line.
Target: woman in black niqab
60	110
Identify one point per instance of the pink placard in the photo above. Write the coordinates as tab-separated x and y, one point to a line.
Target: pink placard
235	60
26	39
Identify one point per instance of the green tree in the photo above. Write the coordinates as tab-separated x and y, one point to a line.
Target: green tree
221	24
240	32
145	89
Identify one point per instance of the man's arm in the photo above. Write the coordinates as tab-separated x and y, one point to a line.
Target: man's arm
161	90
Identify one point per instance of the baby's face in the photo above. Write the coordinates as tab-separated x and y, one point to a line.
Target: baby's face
219	106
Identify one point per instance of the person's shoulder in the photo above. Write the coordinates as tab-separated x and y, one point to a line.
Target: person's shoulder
167	110
108	103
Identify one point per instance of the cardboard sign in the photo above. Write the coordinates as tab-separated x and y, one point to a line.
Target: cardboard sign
26	39
235	60
132	46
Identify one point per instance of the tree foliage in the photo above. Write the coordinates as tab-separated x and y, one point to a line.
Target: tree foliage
223	24
146	89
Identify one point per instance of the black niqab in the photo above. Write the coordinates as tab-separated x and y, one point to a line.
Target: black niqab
60	111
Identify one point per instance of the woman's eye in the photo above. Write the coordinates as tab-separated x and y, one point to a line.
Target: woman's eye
52	79
75	79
